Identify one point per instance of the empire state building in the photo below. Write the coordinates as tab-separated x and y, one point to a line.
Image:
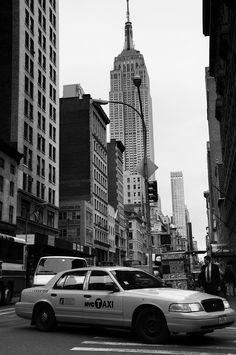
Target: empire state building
126	125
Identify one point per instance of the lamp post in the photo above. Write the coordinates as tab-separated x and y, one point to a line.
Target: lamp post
137	82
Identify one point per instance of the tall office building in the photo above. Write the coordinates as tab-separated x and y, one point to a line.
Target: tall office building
29	107
126	125
178	203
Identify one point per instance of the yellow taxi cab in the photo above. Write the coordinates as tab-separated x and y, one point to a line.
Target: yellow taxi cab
123	297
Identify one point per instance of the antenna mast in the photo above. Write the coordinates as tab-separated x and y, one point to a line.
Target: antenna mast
127	14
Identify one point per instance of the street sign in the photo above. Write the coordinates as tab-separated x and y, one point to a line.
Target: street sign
151	167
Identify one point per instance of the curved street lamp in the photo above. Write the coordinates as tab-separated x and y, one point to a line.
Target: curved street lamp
137	83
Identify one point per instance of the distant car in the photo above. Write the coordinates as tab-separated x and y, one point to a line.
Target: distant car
122	297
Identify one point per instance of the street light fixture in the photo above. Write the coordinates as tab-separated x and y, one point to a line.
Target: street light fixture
137	82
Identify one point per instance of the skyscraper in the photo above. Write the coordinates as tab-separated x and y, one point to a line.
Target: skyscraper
29	106
178	203
126	125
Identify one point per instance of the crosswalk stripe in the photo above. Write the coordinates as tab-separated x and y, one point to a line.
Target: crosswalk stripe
9	312
144	351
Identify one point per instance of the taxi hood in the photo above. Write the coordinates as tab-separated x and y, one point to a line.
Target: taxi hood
173	294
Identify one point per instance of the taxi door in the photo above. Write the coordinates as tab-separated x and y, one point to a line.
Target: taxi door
67	296
101	305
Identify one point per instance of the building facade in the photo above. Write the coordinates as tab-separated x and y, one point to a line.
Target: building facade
9	161
29	108
115	151
214	164
178	202
83	169
219	23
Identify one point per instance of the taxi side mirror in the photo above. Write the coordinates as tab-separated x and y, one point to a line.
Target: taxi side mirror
111	286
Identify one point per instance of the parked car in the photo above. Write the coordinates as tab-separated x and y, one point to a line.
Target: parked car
123	297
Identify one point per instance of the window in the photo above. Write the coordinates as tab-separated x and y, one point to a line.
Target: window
42	191
11	213
2	163
99	280
73	281
50	219
12	169
12	188
24	181
1	183
30	159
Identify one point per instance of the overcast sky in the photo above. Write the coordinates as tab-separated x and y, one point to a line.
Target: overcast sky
169	35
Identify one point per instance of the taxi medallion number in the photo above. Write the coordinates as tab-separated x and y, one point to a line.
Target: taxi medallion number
222	319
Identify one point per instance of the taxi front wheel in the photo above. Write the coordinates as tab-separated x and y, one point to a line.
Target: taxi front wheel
44	318
151	326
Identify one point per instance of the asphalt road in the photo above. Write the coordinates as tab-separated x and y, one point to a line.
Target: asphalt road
17	337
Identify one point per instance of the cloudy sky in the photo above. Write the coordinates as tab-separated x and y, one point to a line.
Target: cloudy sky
169	35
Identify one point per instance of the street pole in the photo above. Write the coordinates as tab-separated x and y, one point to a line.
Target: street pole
137	82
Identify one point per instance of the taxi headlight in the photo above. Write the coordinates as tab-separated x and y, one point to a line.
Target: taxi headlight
185	307
226	304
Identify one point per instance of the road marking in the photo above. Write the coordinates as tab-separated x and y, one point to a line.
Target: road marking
144	351
7	309
9	312
119	343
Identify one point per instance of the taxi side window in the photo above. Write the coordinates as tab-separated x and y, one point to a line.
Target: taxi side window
71	281
100	281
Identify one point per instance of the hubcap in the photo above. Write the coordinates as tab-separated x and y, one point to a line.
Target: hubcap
44	317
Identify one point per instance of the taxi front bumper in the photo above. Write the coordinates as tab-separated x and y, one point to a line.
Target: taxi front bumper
199	321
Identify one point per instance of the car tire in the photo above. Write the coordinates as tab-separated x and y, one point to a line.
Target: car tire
151	326
44	318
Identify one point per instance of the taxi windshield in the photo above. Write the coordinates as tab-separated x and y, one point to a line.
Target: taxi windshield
136	279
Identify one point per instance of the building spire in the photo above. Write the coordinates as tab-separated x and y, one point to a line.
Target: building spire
128	31
127	13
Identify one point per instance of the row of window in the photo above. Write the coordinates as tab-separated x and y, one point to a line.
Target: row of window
29	45
10	213
11	186
42	4
28	132
29	112
67	215
29	90
12	167
28	154
40	188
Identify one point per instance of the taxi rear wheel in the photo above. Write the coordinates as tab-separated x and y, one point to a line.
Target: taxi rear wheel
44	317
151	326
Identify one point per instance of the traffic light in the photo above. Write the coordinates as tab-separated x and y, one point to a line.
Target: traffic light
152	191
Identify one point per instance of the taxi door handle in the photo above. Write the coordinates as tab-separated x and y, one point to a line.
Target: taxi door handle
87	296
53	294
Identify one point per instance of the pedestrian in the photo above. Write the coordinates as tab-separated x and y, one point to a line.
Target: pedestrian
191	282
229	279
221	266
209	277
